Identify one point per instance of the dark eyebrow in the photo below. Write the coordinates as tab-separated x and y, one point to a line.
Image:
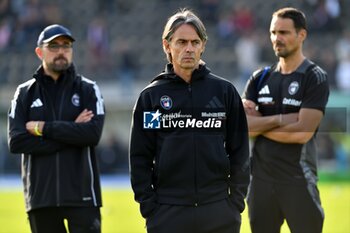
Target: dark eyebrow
195	40
280	31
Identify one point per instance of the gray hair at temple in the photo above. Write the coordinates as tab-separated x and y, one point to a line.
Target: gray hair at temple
183	16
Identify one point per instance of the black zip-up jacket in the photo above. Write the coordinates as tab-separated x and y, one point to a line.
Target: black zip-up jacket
189	142
59	168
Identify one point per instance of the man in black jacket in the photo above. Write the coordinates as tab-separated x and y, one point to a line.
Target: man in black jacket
189	141
55	121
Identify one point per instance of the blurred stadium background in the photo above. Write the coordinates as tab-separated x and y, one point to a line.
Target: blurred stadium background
118	44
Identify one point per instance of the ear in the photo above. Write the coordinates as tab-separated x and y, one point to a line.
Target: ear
166	46
303	34
203	47
39	52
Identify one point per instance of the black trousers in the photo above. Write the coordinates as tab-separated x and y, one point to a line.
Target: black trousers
270	204
217	217
79	220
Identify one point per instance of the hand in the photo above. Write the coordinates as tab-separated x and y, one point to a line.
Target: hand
250	108
31	127
84	116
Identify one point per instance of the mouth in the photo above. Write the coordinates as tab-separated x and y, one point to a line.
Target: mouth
278	46
188	58
60	59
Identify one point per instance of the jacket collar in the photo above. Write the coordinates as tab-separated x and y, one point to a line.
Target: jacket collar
68	75
168	73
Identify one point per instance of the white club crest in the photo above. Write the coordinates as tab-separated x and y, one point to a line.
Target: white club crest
293	88
76	100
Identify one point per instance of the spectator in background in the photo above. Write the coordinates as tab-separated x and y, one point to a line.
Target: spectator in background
342	74
30	20
51	13
209	10
243	18
226	29
325	16
333	9
127	65
98	45
247	51
5	33
5	8
342	49
7	19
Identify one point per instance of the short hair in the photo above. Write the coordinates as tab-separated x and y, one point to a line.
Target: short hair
294	14
181	17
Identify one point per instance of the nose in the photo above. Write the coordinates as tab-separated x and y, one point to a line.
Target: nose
61	50
273	37
189	47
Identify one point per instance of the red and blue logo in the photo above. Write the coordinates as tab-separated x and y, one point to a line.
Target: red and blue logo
166	102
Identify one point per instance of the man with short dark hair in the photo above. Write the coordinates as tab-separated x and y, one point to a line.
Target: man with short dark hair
284	107
55	121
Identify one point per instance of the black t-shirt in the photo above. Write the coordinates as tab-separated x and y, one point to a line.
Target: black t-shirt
277	93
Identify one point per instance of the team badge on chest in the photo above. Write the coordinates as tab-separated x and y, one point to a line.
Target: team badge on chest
293	88
166	102
76	100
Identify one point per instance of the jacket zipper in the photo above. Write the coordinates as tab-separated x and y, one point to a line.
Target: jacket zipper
57	154
57	180
194	150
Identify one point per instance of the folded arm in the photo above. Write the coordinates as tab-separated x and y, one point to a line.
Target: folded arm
258	124
300	131
85	130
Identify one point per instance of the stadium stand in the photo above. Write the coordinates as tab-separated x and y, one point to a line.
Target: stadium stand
113	34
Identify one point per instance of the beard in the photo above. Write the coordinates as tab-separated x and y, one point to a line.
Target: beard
284	52
59	65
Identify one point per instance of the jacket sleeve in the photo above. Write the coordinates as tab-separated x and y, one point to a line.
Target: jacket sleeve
237	146
80	134
141	155
19	140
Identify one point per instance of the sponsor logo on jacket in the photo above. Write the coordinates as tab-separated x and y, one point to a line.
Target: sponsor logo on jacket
292	102
157	120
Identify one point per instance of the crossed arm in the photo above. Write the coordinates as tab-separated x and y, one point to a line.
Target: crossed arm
84	116
285	128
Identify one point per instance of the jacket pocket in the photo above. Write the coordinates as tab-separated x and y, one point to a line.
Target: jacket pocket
213	164
175	165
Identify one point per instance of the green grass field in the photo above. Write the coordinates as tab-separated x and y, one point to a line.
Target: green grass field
120	212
